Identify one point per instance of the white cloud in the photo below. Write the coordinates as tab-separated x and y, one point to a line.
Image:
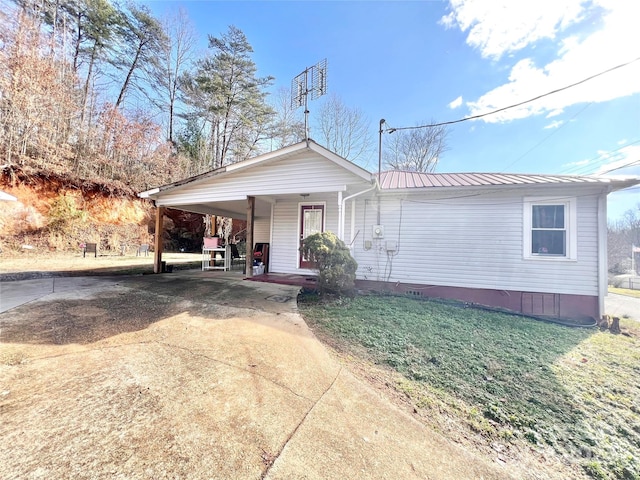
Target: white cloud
623	160
456	103
579	163
555	113
626	160
497	27
578	59
554	124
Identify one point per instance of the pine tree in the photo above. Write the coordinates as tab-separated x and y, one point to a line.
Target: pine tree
228	95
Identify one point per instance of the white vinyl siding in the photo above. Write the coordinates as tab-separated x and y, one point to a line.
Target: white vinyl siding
474	242
304	173
285	235
262	230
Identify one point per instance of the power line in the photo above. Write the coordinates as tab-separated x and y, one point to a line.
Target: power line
630	164
546	138
593	162
474	117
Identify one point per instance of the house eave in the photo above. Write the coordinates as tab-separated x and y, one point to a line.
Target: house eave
618	182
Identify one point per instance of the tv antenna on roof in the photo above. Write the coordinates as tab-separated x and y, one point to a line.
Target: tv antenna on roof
312	81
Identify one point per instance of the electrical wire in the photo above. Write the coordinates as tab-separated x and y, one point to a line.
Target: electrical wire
593	162
475	117
630	164
545	138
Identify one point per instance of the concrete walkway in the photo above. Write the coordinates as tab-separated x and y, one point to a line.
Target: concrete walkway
194	375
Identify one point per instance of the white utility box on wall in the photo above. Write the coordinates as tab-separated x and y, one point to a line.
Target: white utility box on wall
377	231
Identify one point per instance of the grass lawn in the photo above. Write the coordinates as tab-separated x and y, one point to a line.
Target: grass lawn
511	382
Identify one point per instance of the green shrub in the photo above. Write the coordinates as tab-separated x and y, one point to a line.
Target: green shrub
336	267
63	213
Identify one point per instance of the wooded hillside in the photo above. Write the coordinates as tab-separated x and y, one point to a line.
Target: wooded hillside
99	101
110	93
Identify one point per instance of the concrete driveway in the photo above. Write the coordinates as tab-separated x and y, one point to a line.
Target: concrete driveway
622	306
193	375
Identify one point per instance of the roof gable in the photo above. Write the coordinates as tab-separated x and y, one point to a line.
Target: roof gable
298	150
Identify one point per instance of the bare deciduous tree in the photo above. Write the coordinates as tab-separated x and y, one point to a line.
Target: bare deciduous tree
343	130
176	55
416	150
34	96
288	125
622	235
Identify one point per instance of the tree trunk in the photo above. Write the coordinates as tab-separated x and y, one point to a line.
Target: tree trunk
615	325
134	65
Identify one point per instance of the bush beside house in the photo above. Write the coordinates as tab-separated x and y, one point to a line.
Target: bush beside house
336	267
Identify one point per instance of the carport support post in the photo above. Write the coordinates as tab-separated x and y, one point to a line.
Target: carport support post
157	250
251	204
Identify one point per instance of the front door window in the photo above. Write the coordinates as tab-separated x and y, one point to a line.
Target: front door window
311	221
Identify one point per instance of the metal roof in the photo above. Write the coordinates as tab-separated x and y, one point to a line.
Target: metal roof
395	179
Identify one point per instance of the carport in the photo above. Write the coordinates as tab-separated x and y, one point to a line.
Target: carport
232	209
284	196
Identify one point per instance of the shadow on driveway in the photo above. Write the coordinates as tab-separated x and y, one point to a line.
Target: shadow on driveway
196	375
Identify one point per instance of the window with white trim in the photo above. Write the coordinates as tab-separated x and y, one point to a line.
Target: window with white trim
550	228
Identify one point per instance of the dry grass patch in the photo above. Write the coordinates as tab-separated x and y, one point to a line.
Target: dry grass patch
625	291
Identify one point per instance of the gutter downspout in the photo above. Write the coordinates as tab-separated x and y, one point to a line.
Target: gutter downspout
603	281
342	207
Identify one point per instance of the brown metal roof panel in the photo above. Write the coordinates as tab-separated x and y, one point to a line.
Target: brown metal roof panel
469	179
432	180
398	180
502	179
440	179
394	180
385	178
487	179
518	178
405	179
388	179
409	180
421	180
428	181
412	180
455	180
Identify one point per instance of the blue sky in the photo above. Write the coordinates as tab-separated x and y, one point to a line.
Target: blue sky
414	62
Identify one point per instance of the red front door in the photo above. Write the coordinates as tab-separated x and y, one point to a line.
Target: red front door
311	221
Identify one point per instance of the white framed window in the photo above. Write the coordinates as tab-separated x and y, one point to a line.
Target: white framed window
550	230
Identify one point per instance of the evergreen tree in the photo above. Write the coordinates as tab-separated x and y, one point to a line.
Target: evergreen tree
143	40
228	95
